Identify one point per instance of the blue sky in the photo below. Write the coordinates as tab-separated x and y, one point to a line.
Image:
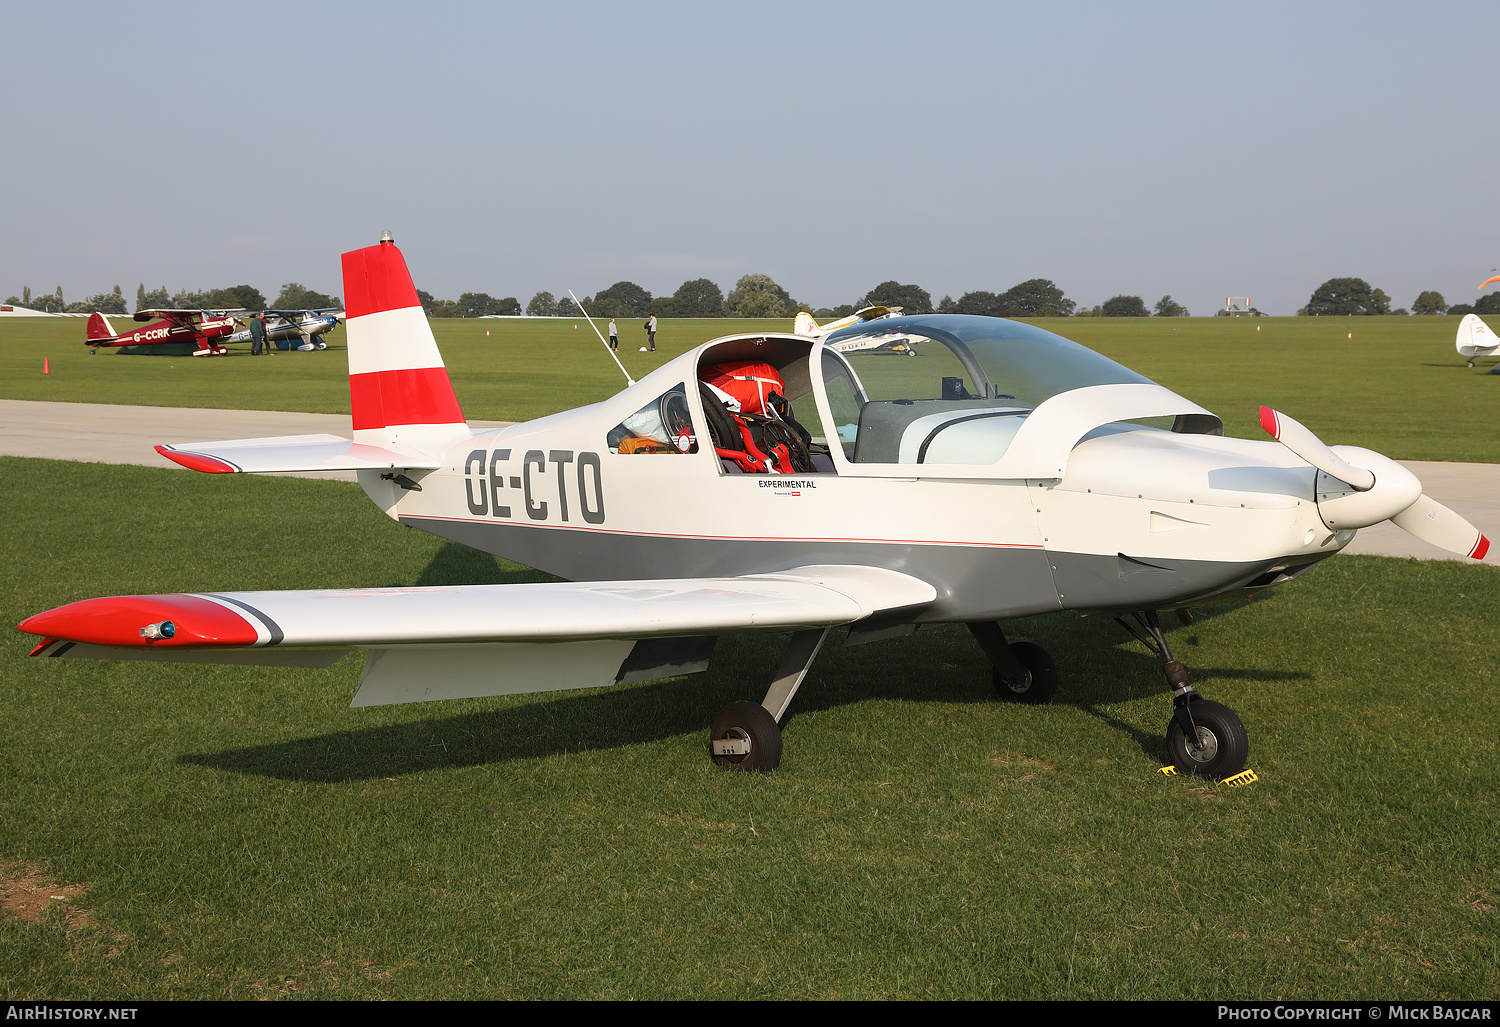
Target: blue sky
1195	149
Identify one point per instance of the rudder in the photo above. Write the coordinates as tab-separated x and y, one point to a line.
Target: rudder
98	329
399	390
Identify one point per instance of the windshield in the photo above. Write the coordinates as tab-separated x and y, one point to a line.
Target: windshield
992	356
949	388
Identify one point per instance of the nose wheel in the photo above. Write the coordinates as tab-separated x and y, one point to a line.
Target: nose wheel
1220	748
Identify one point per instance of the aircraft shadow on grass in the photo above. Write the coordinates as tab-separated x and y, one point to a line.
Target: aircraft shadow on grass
903	670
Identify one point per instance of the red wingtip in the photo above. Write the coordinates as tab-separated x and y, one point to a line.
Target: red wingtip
1480	548
117	620
195	462
1268	422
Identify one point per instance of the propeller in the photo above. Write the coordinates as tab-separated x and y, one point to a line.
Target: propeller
1373	488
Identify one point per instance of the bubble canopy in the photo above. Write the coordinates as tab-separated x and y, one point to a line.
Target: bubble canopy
1000	358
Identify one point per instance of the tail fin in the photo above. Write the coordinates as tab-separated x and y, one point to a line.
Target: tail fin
805	325
1475	338
98	329
399	392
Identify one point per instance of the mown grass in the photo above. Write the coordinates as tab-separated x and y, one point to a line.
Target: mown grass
244	833
1397	387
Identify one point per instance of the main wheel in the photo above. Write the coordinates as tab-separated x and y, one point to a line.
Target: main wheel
1222	745
746	722
1043	684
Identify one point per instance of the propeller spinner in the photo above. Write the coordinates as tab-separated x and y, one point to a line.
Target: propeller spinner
1373	488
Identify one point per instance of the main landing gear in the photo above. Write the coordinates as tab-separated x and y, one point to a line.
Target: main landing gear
747	735
1023	671
1204	738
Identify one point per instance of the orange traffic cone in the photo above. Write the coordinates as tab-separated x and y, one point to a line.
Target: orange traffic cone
1257	328
46	368
1351	335
486	333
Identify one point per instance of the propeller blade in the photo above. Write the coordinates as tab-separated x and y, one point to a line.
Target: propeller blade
1309	447
1433	522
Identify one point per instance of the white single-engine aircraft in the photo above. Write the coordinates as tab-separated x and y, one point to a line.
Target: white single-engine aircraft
749	485
1475	339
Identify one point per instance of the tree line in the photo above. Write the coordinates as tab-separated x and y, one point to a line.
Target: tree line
293	296
754	295
1345	297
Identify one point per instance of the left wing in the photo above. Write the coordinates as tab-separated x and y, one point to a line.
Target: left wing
470	640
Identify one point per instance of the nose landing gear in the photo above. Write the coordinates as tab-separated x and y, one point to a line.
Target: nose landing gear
1204	738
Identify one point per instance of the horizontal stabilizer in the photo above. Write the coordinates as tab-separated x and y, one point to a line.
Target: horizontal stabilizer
290	453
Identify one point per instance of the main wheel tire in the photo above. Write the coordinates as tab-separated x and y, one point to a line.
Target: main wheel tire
1043	685
750	721
1223	746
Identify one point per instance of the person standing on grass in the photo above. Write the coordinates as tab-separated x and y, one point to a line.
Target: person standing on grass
257	335
614	335
651	330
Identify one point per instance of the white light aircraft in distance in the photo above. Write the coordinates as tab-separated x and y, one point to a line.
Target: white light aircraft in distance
291	325
1475	339
847	490
890	342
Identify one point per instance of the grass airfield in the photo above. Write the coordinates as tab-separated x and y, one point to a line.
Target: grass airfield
241	833
1397	387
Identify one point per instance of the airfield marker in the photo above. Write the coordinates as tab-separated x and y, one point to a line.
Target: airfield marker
46	368
1351	335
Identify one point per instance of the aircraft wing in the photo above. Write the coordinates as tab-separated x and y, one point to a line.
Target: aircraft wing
459	641
288	453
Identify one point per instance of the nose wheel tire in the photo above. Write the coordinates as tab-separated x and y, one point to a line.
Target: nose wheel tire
745	736
1221	748
1043	684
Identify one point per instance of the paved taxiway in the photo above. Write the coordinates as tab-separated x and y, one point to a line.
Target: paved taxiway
111	434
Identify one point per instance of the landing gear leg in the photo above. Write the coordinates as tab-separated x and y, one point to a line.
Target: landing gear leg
747	735
1203	738
1023	671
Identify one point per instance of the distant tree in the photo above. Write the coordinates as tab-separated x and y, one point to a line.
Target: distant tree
698	298
1342	296
980	302
948	306
295	296
26	295
1460	309
443	308
52	304
757	295
1037	297
543	304
842	310
1168	307
566	307
425	298
1124	306
1429	302
13	301
1094	311
472	304
1488	304
247	296
153	300
104	303
506	306
912	299
635	299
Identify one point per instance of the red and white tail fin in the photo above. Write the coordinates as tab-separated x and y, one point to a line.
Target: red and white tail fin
399	392
98	329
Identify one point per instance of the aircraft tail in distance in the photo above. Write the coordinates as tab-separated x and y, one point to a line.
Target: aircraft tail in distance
99	329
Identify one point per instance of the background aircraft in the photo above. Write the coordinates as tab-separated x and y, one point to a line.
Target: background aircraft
1005	474
890	342
199	333
1475	339
290	326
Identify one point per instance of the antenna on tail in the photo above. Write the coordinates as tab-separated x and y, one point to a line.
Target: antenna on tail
628	380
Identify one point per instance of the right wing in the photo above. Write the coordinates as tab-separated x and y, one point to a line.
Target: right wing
463	641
